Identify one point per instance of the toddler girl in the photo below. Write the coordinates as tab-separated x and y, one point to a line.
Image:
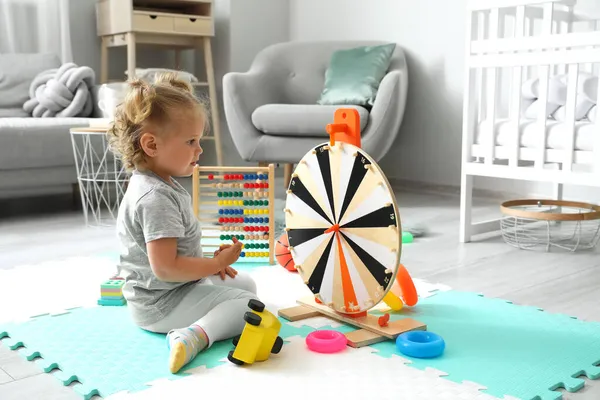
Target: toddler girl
169	286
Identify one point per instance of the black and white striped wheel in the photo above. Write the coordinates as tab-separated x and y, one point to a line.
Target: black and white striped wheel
343	227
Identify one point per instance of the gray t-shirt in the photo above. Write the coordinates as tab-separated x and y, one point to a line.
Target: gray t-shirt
153	208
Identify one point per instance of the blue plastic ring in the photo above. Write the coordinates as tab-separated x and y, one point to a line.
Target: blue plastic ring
420	344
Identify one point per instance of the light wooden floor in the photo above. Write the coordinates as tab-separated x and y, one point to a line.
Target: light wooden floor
557	282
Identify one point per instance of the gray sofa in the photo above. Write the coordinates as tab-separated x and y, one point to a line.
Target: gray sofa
36	154
272	109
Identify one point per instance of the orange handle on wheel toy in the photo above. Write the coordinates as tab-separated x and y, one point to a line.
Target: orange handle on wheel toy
345	127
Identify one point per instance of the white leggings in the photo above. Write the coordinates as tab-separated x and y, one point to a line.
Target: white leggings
216	305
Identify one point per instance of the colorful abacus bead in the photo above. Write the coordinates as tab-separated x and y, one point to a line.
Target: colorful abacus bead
230	177
257	245
228	220
255	254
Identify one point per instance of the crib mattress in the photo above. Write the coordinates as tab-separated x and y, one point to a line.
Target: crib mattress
556	134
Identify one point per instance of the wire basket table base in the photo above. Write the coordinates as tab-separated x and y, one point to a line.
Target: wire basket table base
101	176
547	224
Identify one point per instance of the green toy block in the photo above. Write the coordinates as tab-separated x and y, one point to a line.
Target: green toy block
115	302
112	284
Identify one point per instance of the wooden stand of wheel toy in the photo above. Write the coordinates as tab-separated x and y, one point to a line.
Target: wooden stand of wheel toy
344	233
236	202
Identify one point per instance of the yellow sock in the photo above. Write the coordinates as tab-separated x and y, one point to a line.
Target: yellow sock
184	345
177	357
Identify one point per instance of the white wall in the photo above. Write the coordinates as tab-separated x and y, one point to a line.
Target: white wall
432	35
591	6
433	44
243	28
255	24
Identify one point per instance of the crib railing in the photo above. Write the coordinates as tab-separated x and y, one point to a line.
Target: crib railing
514	42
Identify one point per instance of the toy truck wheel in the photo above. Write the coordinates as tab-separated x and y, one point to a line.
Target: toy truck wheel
277	345
256	305
234	360
236	340
252	319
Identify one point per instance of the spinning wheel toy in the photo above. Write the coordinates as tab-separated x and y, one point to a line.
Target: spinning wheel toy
342	222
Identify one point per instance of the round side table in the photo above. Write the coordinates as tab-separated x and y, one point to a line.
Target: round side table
101	176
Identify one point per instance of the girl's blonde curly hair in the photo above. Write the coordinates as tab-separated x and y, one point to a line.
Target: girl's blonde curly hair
150	107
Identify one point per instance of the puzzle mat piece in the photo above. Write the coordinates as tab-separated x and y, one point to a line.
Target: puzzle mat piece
63	286
59	286
101	348
74	282
63	337
52	287
515	350
426	289
296	371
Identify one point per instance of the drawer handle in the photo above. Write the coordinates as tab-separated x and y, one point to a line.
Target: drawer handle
193	19
153	16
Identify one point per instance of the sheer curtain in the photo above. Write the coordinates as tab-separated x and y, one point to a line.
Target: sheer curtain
35	26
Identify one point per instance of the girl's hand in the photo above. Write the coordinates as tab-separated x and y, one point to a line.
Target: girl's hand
228	271
230	255
222	247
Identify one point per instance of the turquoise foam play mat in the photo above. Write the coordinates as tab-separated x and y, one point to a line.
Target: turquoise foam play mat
512	350
100	348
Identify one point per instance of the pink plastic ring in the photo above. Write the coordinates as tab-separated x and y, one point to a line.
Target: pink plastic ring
326	341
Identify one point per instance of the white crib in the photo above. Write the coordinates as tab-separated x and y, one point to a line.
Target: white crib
531	85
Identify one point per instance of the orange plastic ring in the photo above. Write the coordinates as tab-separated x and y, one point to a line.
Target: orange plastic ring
409	291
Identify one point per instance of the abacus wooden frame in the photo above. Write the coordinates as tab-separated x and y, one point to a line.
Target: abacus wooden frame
269	170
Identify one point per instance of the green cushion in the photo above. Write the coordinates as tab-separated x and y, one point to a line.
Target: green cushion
354	75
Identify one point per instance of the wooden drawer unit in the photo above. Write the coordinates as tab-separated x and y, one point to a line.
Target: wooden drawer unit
148	22
175	17
176	25
202	26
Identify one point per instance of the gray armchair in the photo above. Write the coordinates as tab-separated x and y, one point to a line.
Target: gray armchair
272	109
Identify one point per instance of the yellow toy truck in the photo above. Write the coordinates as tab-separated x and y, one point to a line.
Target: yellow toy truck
259	338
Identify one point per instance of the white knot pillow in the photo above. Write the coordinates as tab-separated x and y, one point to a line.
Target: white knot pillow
63	92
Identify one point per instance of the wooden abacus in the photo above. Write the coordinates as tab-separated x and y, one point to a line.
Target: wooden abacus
236	202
